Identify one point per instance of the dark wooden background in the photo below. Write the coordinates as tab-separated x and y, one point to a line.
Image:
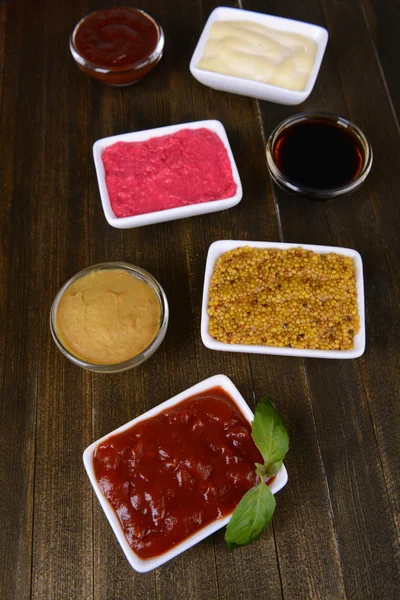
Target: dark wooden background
336	530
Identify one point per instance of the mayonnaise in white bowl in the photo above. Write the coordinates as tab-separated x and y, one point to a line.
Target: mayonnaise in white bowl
260	53
239	84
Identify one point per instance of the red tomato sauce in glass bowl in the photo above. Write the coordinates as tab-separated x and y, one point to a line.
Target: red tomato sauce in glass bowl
117	45
169	476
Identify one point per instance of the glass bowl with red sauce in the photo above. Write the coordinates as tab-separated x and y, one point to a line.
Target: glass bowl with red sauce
174	475
318	155
117	45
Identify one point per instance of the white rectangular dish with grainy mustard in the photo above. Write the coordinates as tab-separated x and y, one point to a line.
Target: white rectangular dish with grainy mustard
341	328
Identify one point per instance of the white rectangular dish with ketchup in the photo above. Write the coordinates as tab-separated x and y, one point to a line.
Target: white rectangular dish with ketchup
138	563
253	88
170	214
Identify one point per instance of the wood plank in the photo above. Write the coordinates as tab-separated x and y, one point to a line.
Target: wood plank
159	249
3	23
254	218
178	357
308	568
233	569
380	246
382	17
336	529
62	557
352	445
201	103
20	71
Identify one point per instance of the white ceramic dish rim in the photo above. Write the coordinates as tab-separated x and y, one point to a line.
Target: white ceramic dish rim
135	561
169	214
221	246
256	88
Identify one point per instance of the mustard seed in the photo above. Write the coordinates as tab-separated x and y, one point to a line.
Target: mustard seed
292	298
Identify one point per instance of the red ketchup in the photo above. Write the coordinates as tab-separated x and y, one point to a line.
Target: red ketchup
119	41
169	476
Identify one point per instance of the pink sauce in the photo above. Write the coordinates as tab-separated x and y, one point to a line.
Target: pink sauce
187	167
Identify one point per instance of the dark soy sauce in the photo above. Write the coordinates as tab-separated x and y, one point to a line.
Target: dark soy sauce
318	155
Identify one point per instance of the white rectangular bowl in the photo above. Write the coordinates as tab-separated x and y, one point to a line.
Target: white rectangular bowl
248	87
135	561
169	214
222	246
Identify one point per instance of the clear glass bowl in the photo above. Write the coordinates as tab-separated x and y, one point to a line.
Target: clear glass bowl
289	186
135	361
119	76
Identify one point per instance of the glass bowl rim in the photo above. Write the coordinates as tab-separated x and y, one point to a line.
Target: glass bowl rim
154	56
284	182
135	361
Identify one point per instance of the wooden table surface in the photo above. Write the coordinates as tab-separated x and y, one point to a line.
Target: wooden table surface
335	533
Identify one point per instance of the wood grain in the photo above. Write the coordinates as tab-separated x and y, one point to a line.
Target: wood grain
19	294
336	530
361	528
62	542
382	17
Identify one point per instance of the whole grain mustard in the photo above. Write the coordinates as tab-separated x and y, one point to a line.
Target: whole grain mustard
292	298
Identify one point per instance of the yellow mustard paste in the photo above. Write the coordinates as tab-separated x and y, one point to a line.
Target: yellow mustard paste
108	317
247	49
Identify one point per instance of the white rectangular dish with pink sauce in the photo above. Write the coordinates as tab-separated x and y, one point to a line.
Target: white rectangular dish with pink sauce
168	214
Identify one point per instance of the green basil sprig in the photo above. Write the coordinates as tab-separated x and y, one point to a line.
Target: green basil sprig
254	511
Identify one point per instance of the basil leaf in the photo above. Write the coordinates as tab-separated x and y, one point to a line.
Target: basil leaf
273	468
269	434
250	517
268	470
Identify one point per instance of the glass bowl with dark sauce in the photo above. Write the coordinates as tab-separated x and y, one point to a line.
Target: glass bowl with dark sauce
318	155
117	45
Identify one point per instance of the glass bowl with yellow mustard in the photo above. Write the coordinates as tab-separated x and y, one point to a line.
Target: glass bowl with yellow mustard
109	317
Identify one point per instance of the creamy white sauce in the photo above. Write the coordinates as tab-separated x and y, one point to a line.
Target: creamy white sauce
252	51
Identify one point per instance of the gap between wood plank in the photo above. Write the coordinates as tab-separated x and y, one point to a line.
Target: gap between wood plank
41	190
